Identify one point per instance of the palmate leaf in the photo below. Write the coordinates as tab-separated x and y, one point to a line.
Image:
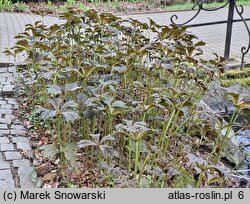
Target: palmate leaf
119	69
123	133
54	89
215	179
55	102
142	146
88	70
53	29
119	104
46	114
50	151
23	44
235	97
107	138
104	84
69	104
243	105
108	151
107	99
70	151
72	87
48	74
85	143
70	115
144	133
96	137
8	52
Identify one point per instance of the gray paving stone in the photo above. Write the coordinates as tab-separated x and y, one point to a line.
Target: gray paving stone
9	80
7	147
6	106
11	69
7	184
12	101
4	165
5	74
25	174
3	126
22	162
5	174
8	89
5	121
11	130
8	118
18	127
18	122
4	132
3	69
12	155
17	132
4	140
20	139
23	146
5	111
2	79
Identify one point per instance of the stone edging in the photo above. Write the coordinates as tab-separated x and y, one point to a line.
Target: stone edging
16	168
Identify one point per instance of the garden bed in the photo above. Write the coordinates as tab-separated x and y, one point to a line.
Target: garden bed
118	7
107	105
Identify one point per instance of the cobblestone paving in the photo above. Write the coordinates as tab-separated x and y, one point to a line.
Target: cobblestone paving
15	151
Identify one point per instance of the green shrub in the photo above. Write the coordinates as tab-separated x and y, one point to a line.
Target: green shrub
126	95
20	7
6	5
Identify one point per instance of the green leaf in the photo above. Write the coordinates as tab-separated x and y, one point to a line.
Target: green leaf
23	44
108	151
69	104
107	99
235	97
46	114
107	138
243	105
96	137
85	143
56	103
70	115
50	151
72	87
200	43
54	89
142	147
70	151
119	104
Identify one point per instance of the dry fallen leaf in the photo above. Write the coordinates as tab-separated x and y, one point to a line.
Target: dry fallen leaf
49	177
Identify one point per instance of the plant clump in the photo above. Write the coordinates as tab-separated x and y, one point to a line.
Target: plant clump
119	103
233	77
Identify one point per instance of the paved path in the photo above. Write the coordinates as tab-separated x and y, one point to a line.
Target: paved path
13	23
213	35
15	151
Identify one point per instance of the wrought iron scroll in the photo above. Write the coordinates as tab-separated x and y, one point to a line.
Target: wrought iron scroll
200	7
244	49
232	6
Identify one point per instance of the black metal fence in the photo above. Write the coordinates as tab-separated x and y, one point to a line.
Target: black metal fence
232	8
